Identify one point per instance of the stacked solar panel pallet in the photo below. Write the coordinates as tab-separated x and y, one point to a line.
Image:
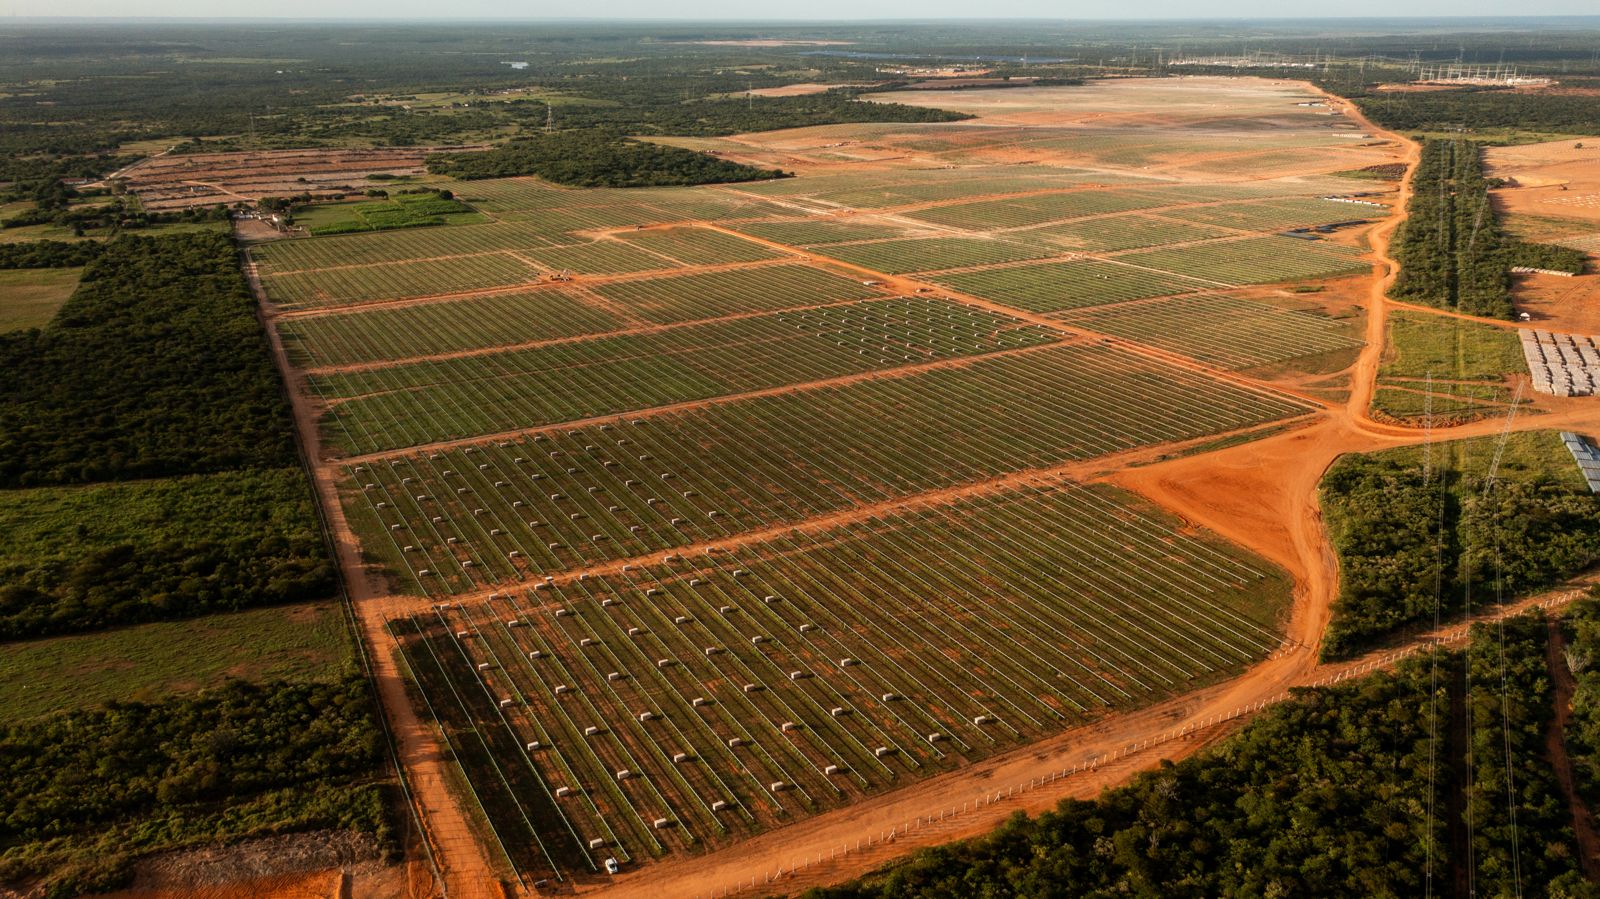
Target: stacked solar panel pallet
1562	364
1587	456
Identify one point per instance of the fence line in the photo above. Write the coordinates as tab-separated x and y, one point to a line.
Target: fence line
989	798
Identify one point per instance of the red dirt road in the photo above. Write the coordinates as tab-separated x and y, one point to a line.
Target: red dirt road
1262	495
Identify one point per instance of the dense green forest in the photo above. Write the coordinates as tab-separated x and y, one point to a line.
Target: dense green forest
1451	249
80	558
1353	790
596	159
86	793
150	408
1482	109
48	253
1583	660
155	367
1406	532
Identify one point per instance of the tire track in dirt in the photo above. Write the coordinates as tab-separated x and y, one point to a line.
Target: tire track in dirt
1563	685
463	864
1262	495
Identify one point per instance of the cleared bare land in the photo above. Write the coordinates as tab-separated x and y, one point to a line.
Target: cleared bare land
795	523
180	180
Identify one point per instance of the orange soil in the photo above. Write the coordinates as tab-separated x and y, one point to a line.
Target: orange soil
1261	494
798	90
1554	303
447	833
1559	179
319	885
1563	685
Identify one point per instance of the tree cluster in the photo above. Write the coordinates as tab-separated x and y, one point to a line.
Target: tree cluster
1451	249
1323	795
85	793
1521	830
113	554
155	367
1484	109
1582	658
596	158
48	253
1405	537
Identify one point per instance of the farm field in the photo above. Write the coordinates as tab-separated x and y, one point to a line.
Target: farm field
932	253
1119	232
699	246
355	284
1036	210
864	392
713	294
423	402
1057	286
706	697
811	233
1276	214
546	313
1254	260
1230	332
478	515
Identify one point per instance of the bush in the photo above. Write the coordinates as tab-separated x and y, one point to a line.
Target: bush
82	558
87	793
596	159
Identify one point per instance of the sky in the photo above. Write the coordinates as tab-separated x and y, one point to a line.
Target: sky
812	10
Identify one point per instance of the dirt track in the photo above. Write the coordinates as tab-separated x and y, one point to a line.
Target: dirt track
453	847
1262	495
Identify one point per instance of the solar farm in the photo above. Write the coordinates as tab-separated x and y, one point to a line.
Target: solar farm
703	510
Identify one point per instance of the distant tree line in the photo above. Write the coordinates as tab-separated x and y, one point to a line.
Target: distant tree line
596	158
1451	249
86	793
1482	109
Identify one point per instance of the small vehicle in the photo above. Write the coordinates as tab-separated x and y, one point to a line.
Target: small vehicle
612	867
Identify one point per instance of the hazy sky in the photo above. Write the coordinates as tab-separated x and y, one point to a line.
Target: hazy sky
810	9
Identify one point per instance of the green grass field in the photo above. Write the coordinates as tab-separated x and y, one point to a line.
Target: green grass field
399	211
150	662
1468	362
1449	348
29	298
